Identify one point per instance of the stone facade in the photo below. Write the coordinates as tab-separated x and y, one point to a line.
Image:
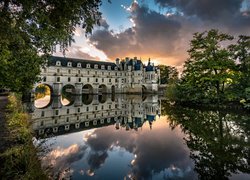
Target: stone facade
95	77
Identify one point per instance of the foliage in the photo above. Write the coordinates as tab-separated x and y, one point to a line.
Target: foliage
31	29
212	73
168	74
20	160
41	91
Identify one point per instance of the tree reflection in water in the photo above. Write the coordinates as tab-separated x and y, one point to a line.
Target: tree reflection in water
218	140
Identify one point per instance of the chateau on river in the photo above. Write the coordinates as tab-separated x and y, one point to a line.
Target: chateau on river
100	77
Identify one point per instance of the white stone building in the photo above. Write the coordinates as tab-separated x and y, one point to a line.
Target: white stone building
95	77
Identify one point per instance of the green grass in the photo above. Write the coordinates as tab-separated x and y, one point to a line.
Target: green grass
20	160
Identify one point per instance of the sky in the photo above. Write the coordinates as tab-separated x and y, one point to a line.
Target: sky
157	29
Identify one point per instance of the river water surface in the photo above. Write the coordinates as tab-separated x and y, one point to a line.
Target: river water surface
139	137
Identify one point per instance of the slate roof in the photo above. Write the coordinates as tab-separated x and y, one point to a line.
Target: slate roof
64	61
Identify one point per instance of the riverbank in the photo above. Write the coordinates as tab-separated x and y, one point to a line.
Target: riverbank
18	156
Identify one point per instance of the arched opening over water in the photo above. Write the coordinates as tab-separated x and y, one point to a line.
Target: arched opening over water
102	89
87	98
68	92
43	95
87	89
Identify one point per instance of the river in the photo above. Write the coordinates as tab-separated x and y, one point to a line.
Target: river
139	137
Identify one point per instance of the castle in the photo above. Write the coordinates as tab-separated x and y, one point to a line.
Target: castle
99	77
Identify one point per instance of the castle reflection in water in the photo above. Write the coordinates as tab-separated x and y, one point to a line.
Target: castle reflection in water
92	111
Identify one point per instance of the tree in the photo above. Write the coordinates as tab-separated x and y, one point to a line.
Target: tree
169	74
29	31
210	69
241	52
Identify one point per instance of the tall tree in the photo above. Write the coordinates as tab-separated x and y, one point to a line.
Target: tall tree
241	52
169	74
210	69
31	28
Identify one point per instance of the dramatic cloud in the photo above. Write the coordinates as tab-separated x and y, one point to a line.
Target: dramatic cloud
153	35
233	14
165	36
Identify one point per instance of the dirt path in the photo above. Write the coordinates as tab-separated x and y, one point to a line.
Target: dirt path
3	130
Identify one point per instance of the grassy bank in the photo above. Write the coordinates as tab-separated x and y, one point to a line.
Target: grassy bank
19	161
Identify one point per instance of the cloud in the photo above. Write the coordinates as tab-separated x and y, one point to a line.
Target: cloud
153	35
224	13
166	37
75	51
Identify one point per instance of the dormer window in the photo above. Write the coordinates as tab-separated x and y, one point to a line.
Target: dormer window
69	64
96	66
109	67
58	63
79	65
88	66
103	67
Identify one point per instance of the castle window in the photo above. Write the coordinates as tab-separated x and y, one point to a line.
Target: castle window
41	124
67	120
116	73
68	79
58	63
102	79
87	79
79	109
69	64
102	67
88	65
109	80
42	115
69	71
58	70
57	112
80	80
102	73
96	80
79	65
95	72
58	79
96	66
109	67
116	80
88	72
87	108
44	79
55	121
79	71
87	116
